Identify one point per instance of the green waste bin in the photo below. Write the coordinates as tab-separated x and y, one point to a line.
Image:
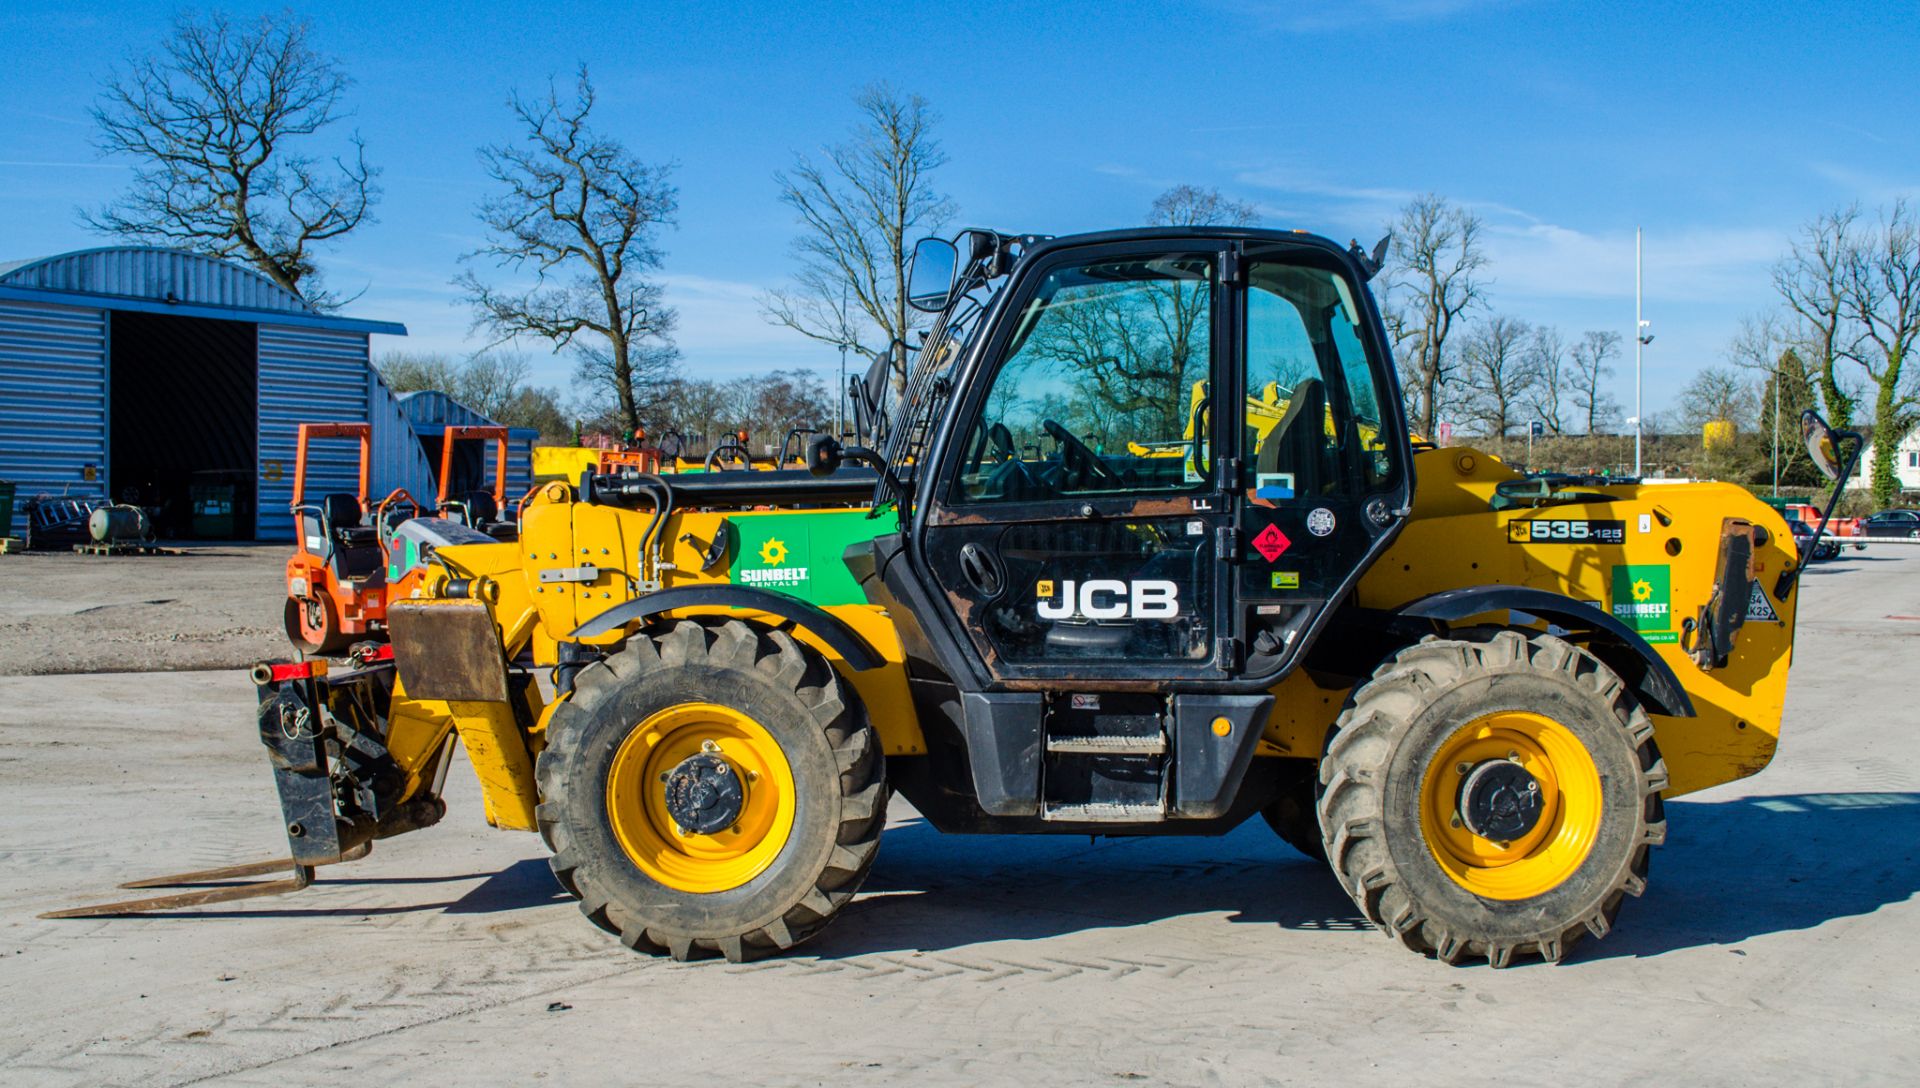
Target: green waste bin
6	507
212	511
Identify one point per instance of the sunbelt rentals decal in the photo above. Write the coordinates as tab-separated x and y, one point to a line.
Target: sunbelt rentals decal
773	555
1643	600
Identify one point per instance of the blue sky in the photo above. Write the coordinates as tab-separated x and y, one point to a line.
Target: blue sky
1719	127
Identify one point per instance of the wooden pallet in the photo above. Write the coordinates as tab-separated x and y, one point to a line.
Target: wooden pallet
124	549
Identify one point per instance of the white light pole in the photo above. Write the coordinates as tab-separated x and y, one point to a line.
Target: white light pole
1639	341
1776	429
840	402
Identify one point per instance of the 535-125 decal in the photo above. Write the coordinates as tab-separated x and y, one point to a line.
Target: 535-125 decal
1565	531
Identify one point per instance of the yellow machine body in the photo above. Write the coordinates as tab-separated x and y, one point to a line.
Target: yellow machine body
1453	539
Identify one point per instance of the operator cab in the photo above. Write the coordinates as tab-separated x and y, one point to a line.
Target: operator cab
1145	470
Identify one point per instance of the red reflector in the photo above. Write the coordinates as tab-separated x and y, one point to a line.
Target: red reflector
299	670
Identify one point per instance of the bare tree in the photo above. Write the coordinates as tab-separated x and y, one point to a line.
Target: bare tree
493	384
1813	281
491	380
413	371
1881	298
580	212
1771	352
1552	384
1192	206
650	380
1436	259
1500	371
1591	360
1719	394
214	121
861	206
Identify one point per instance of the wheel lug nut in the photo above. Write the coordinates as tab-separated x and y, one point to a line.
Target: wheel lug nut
1463	768
1513	756
709	747
664	775
1456	820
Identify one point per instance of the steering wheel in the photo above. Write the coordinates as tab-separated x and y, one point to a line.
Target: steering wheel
1086	464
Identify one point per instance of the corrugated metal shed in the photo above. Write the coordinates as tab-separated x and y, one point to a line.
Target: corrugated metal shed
431	411
168	281
306	376
53	399
168	275
399	461
57	373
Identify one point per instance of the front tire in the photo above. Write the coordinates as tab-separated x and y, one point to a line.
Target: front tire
314	626
661	856
1441	760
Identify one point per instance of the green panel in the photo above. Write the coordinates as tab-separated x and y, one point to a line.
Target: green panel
801	553
1643	600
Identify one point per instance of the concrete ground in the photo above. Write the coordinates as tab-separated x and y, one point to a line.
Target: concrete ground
1779	943
217	606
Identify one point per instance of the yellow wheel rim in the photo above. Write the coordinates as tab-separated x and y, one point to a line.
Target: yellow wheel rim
637	798
1544	857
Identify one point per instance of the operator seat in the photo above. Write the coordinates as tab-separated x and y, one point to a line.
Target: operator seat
352	549
1296	443
483	514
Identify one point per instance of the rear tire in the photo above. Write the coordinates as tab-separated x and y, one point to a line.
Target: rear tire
1385	798
654	888
1294	813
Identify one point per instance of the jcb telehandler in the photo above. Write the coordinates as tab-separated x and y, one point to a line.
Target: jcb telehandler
1466	689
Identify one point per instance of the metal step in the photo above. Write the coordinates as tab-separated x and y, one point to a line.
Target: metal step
1104	814
1110	745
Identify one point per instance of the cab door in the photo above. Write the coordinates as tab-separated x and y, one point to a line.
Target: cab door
1321	455
1077	521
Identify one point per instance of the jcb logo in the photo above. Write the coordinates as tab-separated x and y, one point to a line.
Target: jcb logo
1109	599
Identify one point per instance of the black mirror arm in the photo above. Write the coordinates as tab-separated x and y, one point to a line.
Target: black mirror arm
1791	576
825	455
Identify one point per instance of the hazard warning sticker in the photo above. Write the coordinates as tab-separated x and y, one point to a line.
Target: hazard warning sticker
1271	543
1759	609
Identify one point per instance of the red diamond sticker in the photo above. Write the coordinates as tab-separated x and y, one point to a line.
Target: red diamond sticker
1271	543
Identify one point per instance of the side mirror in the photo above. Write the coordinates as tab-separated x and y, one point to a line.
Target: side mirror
936	264
824	454
1822	445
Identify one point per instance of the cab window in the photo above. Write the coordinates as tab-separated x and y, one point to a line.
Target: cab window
1311	417
1102	387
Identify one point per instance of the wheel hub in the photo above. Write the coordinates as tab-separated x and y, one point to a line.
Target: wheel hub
704	794
1500	800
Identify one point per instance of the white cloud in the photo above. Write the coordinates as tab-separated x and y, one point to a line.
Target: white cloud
720	316
1545	261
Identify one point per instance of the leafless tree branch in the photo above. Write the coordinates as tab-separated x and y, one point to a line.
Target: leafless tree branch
213	122
578	212
861	204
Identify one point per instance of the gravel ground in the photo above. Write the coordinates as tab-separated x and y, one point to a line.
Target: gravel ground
1779	941
215	607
